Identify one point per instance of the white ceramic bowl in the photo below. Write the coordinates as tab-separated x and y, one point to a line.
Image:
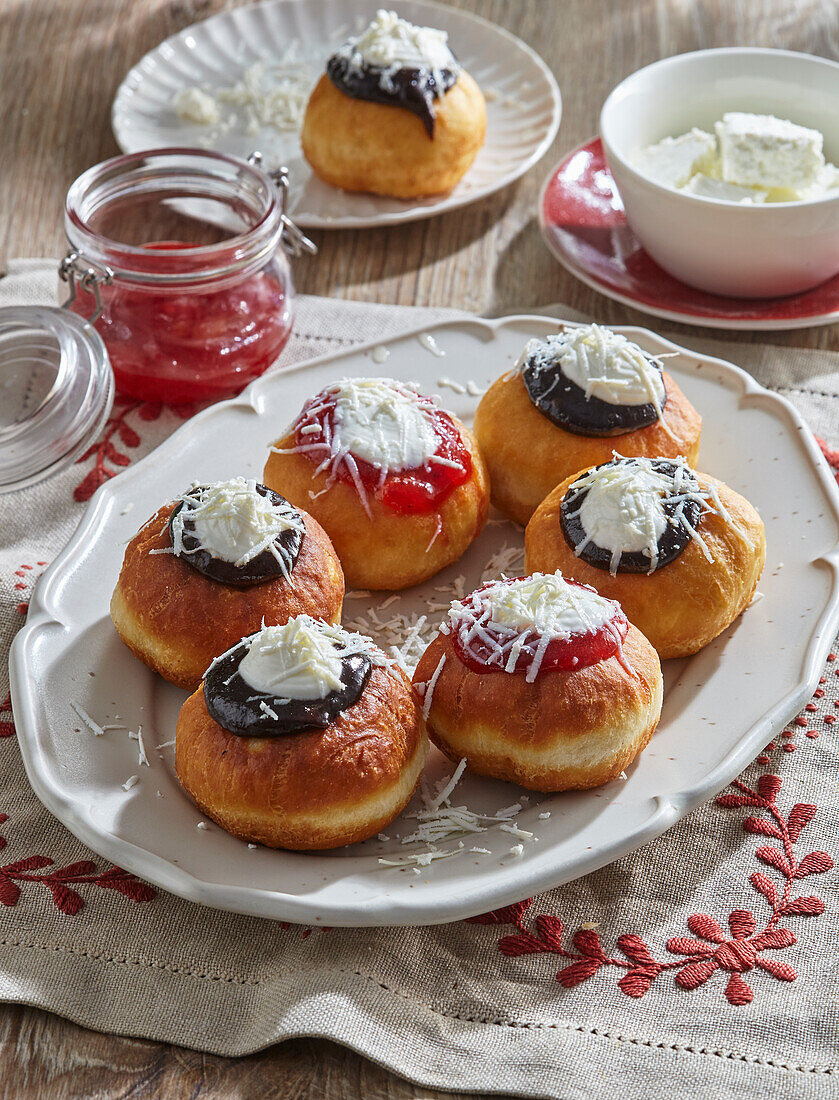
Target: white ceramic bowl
754	251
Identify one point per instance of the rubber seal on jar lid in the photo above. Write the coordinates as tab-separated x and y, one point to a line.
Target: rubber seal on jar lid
56	392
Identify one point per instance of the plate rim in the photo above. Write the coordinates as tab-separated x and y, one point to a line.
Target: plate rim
385	910
815	320
412	213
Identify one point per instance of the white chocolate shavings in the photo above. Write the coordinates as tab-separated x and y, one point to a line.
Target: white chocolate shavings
267	94
378	420
391	44
300	660
533	611
235	523
438	820
142	759
604	364
130	782
202	825
623	510
94	727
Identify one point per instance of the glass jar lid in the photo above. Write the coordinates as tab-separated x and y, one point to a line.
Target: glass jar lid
57	392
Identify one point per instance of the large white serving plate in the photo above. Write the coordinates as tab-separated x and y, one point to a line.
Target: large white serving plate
721	706
523	100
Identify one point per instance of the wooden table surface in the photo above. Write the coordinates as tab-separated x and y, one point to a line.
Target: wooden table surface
60	64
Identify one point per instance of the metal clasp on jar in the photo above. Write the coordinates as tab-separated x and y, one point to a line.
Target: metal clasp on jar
76	269
294	240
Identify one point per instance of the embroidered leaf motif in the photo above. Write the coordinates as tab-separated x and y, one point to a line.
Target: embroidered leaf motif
775	858
509	914
762	827
550	931
695	974
780	970
766	887
800	816
804	907
127	434
706	927
9	892
768	787
738	991
588	943
816	863
67	900
578	971
524	944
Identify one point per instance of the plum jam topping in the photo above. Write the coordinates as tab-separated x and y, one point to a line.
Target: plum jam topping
536	624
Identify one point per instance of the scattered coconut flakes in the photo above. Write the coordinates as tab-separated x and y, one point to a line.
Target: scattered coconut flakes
130	782
545	815
517	851
481	851
94	727
514	830
166	744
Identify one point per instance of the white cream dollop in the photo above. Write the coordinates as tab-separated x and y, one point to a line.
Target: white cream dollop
234	522
382	422
300	660
548	604
604	364
392	43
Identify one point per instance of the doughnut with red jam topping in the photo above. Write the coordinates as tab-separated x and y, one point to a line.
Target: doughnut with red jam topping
681	551
399	484
541	681
571	398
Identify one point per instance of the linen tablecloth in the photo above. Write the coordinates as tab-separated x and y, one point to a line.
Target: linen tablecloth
704	964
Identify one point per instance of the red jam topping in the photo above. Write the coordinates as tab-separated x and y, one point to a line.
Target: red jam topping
488	649
192	345
420	489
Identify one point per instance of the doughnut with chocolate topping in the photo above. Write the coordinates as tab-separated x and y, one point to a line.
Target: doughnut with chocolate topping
209	568
335	756
571	399
394	114
681	552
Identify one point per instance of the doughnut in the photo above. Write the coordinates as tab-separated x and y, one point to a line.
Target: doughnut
541	681
680	551
571	398
399	484
302	736
209	568
394	114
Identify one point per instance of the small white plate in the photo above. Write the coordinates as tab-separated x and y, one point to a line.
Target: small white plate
523	100
721	706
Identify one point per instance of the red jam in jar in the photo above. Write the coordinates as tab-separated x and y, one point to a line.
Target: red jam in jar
410	491
192	319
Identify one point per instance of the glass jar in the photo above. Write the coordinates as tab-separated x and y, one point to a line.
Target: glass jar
185	277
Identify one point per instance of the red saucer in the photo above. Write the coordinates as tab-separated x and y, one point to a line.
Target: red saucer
582	220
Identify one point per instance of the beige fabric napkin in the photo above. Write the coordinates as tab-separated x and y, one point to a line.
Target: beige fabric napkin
671	973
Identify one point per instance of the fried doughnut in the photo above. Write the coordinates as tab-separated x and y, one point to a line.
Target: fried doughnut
555	692
572	399
680	551
394	114
399	485
281	749
184	595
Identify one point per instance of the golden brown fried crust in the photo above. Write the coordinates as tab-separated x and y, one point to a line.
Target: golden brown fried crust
564	731
527	454
684	605
389	550
177	620
362	146
314	789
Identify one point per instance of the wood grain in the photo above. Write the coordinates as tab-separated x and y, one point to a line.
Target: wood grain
60	64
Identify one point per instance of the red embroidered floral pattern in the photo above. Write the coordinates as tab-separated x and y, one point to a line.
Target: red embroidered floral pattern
735	954
61	880
7	724
104	452
26	579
